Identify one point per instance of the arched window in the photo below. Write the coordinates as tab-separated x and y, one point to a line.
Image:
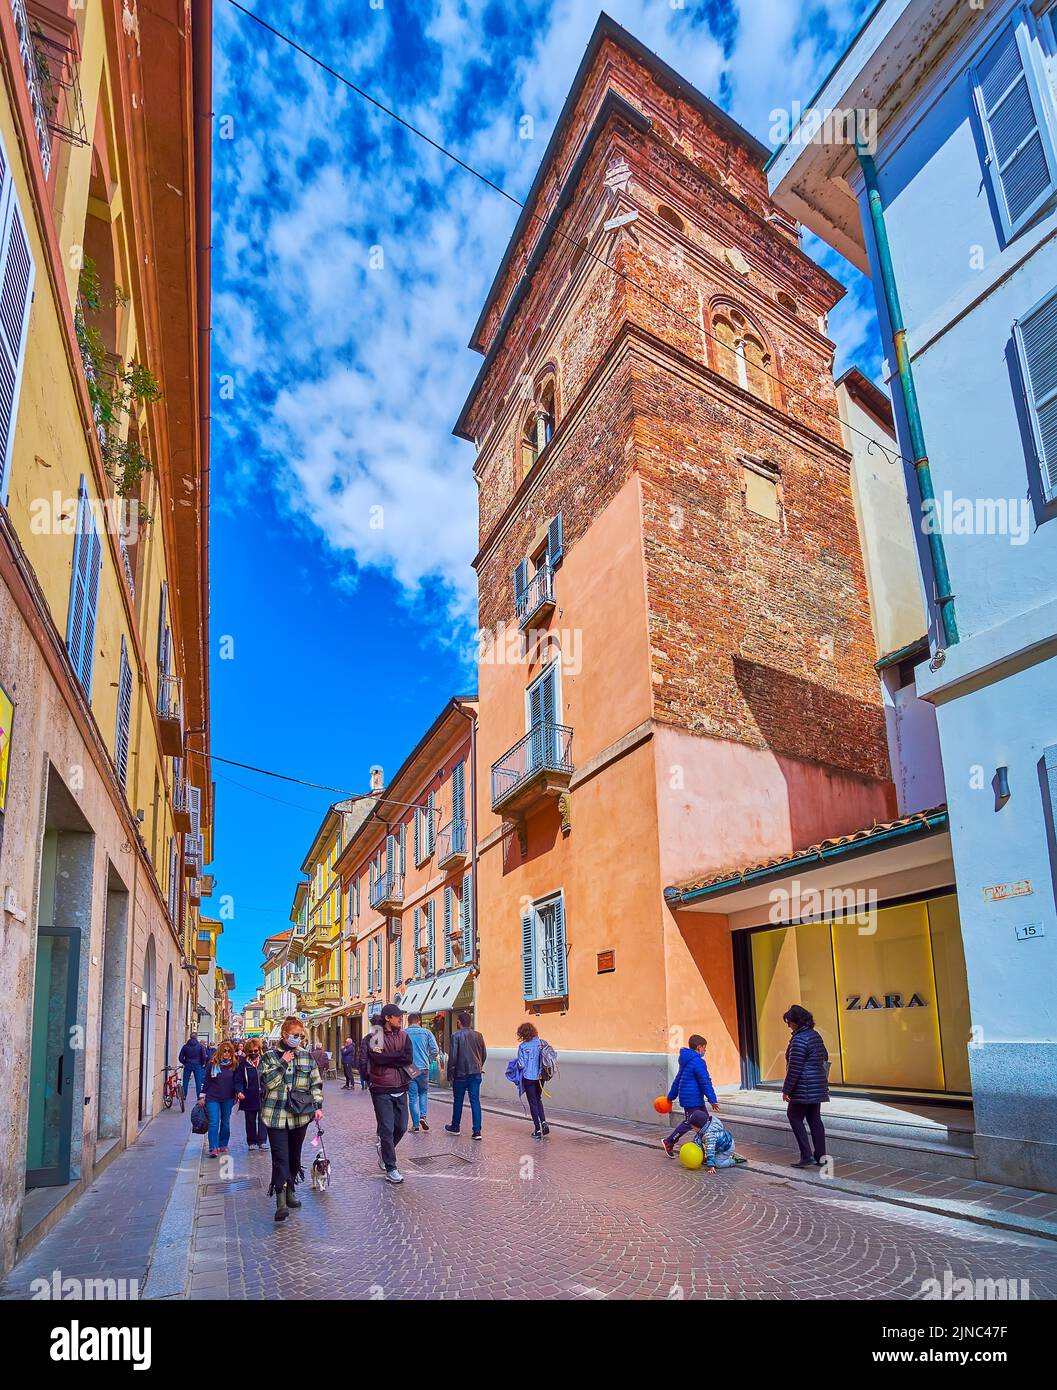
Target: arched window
741	354
538	427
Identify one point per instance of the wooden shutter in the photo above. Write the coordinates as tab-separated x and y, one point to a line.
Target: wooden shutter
390	858
431	828
416	967
194	809
174	870
458	795
124	715
528	953
163	631
449	917
560	973
418	835
520	585
370	966
469	946
1036	339
555	542
1021	163
431	952
17	273
398	962
402	837
84	591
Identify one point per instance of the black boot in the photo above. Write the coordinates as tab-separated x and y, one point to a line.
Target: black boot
292	1199
280	1205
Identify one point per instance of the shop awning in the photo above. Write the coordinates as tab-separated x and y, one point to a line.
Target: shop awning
446	989
415	996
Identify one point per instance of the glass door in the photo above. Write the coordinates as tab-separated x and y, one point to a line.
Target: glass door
51	1077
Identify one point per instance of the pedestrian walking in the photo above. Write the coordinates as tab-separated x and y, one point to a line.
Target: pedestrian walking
293	1097
321	1057
466	1059
390	1060
530	1076
193	1060
425	1050
362	1058
220	1095
692	1086
806	1085
348	1062
251	1094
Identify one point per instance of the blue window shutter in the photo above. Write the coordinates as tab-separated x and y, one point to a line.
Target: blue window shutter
370	965
398	968
449	914
560	972
1036	339
431	937
163	630
1021	161
415	967
403	847
17	272
418	836
458	794
555	543
78	582
469	946
95	564
124	715
390	857
378	963
520	585
431	824
528	953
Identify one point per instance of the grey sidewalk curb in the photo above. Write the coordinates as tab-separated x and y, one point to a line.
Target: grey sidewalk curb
962	1211
169	1271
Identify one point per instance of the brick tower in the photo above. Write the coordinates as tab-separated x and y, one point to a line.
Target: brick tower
675	669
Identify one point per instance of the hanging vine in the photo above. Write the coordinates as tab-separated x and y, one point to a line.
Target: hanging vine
115	393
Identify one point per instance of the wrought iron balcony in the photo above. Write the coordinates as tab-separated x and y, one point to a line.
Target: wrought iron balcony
536	597
194	892
451	844
536	769
387	892
170	715
194	848
51	71
181	809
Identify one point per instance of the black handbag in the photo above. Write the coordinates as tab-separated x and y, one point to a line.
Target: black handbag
300	1102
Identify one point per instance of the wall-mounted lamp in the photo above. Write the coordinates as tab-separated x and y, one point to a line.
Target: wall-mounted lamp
1000	783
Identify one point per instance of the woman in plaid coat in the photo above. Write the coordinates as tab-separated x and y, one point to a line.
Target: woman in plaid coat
287	1067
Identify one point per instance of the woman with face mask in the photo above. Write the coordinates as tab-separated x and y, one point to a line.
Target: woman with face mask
251	1094
293	1097
219	1096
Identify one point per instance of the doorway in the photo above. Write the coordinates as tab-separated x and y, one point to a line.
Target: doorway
112	1010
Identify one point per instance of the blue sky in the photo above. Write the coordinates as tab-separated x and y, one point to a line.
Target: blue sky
349	265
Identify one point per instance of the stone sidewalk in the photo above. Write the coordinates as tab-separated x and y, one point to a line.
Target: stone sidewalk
113	1233
1006	1208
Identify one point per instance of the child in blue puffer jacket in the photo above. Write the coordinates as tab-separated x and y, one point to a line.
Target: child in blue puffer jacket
692	1086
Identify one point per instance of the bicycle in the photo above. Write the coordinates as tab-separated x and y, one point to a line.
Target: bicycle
172	1089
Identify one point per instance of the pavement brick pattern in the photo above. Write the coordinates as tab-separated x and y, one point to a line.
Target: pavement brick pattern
578	1216
110	1231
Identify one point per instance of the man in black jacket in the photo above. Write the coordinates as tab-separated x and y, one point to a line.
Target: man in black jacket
389	1056
348	1062
193	1060
466	1059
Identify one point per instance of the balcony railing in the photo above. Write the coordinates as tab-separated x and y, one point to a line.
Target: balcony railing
537	595
170	715
387	892
537	767
194	848
194	892
451	843
181	810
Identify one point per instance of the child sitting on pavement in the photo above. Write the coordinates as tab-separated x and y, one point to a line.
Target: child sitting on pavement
716	1140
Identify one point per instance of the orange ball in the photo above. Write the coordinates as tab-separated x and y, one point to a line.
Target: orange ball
662	1105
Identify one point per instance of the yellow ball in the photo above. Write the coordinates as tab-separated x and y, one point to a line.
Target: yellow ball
691	1155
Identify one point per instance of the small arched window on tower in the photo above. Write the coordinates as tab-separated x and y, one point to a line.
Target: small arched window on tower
741	354
538	428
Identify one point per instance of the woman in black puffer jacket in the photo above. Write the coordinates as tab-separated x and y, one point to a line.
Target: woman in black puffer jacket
806	1085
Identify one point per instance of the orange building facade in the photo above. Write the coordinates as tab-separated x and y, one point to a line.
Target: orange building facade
407	877
675	667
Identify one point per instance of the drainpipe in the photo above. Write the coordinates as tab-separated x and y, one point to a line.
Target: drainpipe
944	597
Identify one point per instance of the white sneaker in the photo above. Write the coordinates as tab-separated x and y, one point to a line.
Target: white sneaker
394	1175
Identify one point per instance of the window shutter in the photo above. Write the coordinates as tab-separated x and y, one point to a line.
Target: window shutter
1036	339
370	966
449	914
84	591
164	641
390	857
431	953
469	946
520	585
431	822
17	272
194	809
1021	163
555	548
398	967
458	794
378	964
418	835
174	868
560	974
416	968
528	953
124	715
403	847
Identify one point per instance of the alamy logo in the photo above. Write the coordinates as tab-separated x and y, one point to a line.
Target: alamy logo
986	1290
72	1289
77	1343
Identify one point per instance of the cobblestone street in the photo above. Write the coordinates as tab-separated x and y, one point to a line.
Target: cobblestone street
577	1216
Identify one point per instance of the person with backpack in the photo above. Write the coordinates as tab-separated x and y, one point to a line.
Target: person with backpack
806	1085
533	1069
692	1086
466	1060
